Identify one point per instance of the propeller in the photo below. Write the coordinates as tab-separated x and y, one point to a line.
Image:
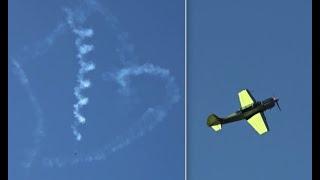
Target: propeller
277	102
278	105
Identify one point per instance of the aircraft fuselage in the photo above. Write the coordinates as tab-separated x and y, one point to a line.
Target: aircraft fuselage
247	112
250	109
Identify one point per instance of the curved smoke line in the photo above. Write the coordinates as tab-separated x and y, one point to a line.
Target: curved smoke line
80	14
146	123
39	131
148	120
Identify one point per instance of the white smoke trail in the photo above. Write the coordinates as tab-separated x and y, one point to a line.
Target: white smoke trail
39	131
148	120
85	67
123	75
146	123
41	47
153	115
80	14
125	49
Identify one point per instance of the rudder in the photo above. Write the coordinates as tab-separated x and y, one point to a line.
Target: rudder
214	122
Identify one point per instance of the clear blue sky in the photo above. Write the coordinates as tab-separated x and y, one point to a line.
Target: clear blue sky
127	35
264	46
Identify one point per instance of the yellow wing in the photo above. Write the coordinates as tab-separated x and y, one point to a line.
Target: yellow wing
259	123
245	98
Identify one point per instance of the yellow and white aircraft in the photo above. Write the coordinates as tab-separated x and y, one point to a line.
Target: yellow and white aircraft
251	110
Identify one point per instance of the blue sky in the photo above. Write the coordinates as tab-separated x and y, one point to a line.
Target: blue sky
264	46
134	125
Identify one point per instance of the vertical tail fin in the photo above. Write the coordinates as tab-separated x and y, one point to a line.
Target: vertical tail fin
214	122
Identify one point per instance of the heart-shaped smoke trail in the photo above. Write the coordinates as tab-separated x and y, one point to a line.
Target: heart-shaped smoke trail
145	123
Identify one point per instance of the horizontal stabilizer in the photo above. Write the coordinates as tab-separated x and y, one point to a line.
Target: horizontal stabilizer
216	127
214	122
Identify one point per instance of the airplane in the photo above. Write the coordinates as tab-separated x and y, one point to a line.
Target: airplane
250	109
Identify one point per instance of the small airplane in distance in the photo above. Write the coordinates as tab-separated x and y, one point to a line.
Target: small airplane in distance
251	110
